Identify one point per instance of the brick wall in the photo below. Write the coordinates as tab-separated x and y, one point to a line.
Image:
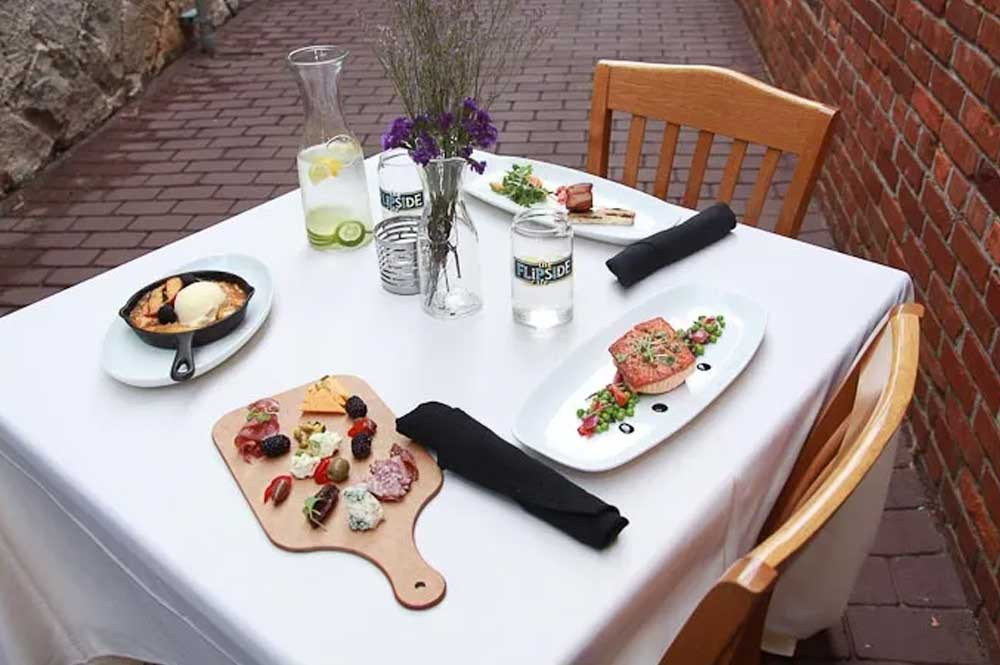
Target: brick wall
912	180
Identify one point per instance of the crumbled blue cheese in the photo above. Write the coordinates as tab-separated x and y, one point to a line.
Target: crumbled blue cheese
364	511
304	464
324	444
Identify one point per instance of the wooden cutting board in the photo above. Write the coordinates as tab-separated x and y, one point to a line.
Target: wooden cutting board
390	546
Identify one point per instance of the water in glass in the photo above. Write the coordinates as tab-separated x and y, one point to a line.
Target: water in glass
330	160
542	265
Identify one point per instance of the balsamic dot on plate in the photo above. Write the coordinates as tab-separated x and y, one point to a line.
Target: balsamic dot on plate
660	407
704	367
626	428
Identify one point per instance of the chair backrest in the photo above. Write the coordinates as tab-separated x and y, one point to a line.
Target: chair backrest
716	101
846	441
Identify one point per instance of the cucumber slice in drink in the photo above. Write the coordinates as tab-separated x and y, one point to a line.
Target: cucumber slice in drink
350	233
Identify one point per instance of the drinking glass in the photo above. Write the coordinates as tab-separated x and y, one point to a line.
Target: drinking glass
399	187
541	242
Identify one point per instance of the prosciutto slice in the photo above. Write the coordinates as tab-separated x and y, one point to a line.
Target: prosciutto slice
262	422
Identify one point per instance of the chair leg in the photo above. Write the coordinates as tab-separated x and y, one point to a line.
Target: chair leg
747	647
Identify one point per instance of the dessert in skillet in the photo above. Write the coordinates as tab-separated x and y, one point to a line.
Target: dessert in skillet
174	307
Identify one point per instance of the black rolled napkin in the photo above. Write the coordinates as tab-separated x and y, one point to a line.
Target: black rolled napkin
644	257
473	451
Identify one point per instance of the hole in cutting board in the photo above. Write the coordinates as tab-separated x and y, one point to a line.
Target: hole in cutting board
419	585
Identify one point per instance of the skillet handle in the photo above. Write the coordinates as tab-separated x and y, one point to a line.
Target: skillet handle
183	367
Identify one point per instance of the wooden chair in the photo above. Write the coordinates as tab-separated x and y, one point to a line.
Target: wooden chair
714	101
847	439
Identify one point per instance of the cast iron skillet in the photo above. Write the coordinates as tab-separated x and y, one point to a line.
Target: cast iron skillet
183	367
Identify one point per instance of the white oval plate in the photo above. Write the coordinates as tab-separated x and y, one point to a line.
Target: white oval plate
651	214
547	420
130	360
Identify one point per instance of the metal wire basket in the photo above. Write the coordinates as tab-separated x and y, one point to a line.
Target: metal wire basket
396	244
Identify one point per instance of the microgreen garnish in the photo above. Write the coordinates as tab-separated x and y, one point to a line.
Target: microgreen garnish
519	186
259	416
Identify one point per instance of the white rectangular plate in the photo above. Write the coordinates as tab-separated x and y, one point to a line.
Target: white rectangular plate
652	214
547	420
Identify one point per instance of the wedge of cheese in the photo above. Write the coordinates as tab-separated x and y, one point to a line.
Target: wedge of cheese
325	396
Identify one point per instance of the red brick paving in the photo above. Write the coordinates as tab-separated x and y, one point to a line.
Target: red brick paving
213	137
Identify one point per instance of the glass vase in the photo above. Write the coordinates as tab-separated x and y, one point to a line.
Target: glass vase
447	244
330	161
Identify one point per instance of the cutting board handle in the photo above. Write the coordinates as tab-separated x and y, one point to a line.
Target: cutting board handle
415	584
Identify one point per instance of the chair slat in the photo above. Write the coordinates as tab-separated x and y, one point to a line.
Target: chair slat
666	164
760	187
633	153
699	161
732	171
717	101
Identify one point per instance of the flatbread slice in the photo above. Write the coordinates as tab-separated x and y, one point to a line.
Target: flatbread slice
604	216
325	396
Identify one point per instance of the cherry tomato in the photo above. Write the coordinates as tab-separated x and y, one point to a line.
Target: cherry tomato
620	397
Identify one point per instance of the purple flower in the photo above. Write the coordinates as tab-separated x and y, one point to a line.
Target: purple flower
399	134
469	104
425	149
446	120
478	167
479	127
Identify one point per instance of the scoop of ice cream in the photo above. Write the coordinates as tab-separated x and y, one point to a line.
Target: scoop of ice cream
197	304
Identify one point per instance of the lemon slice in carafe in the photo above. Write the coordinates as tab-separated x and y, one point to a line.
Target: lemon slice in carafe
344	149
323	168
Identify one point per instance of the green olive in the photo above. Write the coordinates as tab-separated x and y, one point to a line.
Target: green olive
339	469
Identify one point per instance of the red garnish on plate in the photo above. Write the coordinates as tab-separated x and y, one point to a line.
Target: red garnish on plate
620	397
278	489
362	425
320	474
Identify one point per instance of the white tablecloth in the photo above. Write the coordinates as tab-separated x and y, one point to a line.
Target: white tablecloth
122	531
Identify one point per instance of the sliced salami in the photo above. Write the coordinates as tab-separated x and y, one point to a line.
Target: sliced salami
406	458
389	480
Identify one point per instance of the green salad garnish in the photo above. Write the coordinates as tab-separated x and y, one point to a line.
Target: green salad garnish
520	186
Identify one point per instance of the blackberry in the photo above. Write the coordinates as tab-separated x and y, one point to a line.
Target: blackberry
361	445
275	446
356	407
166	314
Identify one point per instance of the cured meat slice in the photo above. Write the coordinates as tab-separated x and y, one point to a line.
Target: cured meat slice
262	422
406	458
267	405
389	480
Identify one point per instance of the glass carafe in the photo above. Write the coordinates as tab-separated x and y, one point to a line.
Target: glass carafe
330	160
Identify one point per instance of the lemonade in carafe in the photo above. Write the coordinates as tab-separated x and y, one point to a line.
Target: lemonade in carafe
331	166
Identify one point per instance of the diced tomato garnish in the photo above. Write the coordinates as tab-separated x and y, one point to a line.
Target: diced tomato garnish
620	397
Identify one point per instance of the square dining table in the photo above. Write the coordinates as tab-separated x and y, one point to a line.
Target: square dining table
123	532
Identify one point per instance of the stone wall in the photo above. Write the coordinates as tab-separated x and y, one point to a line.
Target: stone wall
912	180
66	65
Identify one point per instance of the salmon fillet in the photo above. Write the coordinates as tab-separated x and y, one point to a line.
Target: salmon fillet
652	358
